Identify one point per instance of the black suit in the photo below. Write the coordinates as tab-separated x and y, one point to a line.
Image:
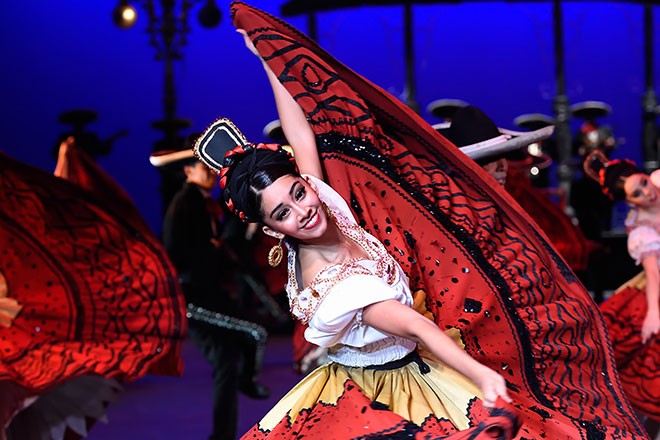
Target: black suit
234	347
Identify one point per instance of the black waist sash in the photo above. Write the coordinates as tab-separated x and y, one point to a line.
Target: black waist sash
413	356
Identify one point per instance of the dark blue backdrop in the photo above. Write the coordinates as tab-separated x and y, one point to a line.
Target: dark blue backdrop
61	55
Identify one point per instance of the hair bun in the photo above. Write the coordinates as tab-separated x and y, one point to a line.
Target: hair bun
594	165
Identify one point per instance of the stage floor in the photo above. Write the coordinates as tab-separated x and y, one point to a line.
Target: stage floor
165	408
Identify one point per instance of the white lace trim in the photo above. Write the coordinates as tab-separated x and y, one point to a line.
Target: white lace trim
304	303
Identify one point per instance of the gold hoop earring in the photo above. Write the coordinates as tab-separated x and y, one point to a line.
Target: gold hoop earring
275	255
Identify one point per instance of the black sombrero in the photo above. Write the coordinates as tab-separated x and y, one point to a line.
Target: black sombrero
479	137
445	108
534	121
274	131
216	141
590	110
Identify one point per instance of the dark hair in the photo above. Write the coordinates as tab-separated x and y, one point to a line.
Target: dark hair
610	174
614	178
190	162
176	169
250	175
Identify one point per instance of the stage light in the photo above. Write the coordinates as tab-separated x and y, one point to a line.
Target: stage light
124	15
209	16
534	149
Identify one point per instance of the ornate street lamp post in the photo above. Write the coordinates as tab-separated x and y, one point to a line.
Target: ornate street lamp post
167	28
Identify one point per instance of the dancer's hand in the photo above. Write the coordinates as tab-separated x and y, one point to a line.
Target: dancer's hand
248	43
67	143
492	386
650	327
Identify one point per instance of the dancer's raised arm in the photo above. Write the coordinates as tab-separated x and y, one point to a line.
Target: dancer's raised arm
294	123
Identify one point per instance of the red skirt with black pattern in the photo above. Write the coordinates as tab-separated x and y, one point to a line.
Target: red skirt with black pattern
485	268
96	291
638	363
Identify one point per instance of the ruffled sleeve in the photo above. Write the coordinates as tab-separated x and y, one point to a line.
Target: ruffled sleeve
338	320
655	178
643	241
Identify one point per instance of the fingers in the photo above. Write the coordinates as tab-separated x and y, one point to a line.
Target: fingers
505	396
489	403
494	389
648	335
70	140
248	42
490	400
65	144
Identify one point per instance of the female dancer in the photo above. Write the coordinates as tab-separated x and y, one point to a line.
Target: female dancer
349	290
473	258
633	313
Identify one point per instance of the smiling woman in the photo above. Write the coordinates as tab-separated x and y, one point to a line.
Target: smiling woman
633	313
427	217
357	302
639	190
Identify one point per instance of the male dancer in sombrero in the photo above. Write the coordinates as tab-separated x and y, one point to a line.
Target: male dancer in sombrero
485	269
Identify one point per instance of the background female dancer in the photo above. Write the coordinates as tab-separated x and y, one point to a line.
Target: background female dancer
633	312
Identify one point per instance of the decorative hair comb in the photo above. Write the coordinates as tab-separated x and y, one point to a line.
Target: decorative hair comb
221	137
594	166
222	145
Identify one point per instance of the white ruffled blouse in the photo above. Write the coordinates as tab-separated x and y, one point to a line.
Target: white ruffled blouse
333	302
643	237
644	240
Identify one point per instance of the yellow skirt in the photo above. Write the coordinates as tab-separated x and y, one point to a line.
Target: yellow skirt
443	392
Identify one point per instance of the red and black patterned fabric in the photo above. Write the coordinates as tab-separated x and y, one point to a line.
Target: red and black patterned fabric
566	237
354	416
638	363
76	166
99	295
486	269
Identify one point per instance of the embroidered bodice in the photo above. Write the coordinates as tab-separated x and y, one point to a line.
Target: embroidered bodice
332	303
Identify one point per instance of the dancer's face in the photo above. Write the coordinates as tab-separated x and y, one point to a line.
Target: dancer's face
640	190
498	170
200	175
291	207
